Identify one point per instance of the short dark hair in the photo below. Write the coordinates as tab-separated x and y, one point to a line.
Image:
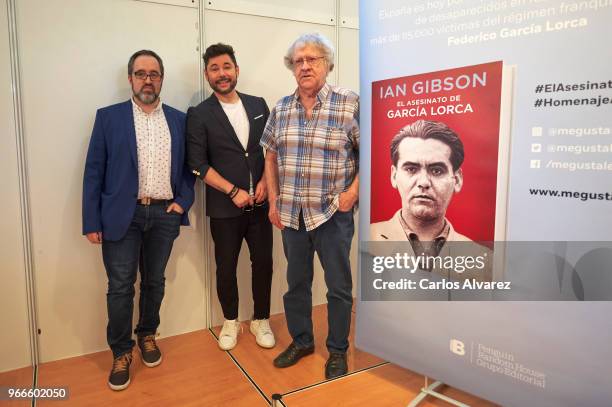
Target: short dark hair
145	52
425	129
219	49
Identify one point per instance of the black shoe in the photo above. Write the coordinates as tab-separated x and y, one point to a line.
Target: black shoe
291	355
119	377
336	365
150	353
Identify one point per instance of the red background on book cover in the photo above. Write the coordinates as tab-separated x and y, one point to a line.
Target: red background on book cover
472	210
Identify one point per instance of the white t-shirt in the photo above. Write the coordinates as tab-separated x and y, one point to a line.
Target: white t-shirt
238	118
240	122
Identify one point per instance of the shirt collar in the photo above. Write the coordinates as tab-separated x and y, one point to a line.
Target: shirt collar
139	109
321	95
413	236
432	248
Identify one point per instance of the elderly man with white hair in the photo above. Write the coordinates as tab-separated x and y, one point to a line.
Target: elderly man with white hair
312	149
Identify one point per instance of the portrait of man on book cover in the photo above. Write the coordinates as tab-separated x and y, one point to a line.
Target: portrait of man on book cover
426	172
435	143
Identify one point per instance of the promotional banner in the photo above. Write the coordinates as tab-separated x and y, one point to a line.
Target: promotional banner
486	169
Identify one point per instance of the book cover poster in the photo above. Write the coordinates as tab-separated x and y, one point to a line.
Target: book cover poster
467	100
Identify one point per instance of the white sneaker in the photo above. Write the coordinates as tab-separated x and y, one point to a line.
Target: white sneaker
263	333
229	334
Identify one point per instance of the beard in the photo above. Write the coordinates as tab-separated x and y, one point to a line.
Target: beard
146	98
229	90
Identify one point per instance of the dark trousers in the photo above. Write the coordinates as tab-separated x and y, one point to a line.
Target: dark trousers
332	242
228	233
146	246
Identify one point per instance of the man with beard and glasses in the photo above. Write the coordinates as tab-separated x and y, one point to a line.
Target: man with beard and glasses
223	134
136	194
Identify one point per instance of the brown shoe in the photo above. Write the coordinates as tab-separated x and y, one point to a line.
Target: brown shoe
149	352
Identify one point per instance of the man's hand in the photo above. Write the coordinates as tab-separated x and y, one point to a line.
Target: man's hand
174	207
242	199
274	215
261	191
346	201
94	237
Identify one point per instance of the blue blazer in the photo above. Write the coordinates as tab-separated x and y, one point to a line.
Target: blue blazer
110	182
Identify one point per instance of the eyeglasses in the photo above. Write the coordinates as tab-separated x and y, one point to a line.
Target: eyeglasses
142	75
311	61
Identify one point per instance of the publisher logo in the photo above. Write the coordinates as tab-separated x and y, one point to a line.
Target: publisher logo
457	347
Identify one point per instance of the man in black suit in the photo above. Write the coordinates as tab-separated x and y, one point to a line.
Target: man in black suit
223	134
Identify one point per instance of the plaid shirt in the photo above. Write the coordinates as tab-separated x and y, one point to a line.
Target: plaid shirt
317	158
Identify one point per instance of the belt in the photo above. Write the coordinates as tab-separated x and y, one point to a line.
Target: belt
151	201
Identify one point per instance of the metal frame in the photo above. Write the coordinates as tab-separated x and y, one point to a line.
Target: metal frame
430	390
24	191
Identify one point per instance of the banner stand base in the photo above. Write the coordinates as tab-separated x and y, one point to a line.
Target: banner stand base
429	390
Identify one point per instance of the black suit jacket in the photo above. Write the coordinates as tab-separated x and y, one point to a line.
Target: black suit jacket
212	142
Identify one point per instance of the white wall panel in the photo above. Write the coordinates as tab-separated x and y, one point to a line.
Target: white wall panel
348	59
14	342
310	11
74	55
349	14
260	44
184	3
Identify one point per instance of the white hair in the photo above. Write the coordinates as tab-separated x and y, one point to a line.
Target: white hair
317	40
